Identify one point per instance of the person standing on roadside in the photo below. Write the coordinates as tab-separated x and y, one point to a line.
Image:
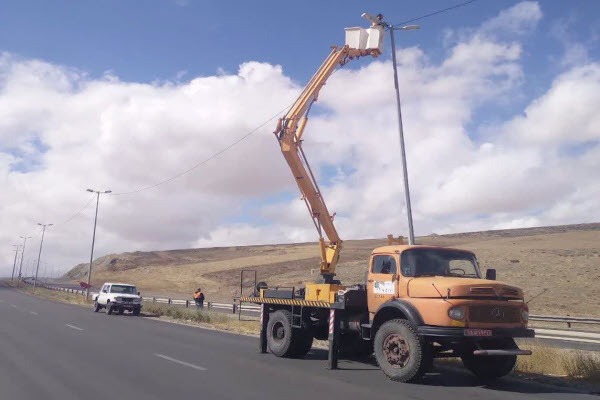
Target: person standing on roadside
199	299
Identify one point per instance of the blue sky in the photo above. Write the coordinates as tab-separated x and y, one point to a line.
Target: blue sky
500	107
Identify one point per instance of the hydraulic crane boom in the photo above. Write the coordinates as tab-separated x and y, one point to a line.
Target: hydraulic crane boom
289	134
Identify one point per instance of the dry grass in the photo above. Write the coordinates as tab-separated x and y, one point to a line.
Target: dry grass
557	362
62	297
224	322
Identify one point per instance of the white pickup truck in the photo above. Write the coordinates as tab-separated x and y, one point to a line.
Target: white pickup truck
118	297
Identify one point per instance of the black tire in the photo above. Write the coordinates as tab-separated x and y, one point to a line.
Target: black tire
109	309
279	334
136	311
121	311
302	340
401	353
492	367
96	306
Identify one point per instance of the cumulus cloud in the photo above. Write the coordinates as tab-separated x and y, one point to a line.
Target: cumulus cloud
62	131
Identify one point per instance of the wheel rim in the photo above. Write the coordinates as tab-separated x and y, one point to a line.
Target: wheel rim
396	350
278	332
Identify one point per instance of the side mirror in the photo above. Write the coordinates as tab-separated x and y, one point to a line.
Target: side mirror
138	293
490	274
104	291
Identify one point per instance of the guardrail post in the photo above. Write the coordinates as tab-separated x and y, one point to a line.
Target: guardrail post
234	307
154	299
169	301
209	305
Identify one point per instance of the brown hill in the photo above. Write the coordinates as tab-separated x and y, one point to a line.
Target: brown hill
563	259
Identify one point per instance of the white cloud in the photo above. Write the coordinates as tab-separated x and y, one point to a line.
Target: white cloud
538	167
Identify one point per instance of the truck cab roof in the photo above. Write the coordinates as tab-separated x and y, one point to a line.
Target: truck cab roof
400	248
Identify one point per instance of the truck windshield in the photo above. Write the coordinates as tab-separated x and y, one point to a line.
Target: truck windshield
123	289
439	262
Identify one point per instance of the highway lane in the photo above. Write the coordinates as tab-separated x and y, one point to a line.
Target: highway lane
62	351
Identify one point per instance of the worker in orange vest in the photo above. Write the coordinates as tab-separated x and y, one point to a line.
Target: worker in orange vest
199	299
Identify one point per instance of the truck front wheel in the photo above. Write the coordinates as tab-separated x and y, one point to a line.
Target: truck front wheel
109	308
401	353
492	367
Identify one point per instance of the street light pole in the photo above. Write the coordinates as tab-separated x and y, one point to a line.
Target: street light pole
16	246
40	254
22	256
89	278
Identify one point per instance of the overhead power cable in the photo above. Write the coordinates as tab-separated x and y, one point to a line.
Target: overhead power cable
436	12
205	160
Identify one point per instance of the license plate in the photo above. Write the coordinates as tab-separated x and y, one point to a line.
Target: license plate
478	332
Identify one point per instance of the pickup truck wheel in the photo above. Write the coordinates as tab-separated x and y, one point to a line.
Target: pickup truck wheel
136	311
121	311
96	306
279	334
492	367
401	353
109	309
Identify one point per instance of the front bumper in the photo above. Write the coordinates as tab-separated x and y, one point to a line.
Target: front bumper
126	306
457	333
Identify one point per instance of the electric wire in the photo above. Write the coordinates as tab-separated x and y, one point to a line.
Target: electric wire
435	13
223	150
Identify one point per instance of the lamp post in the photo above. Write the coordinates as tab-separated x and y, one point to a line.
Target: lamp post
89	278
16	246
22	256
378	20
40	254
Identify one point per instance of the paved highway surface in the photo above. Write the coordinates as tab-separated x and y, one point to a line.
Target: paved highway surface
52	350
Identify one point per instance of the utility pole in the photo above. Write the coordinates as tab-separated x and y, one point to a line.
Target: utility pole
16	246
89	277
22	256
40	254
378	20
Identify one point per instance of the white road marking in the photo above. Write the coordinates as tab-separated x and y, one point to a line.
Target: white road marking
73	327
12	305
1	301
33	313
199	368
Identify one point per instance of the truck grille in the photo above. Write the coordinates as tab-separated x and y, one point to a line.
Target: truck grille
491	314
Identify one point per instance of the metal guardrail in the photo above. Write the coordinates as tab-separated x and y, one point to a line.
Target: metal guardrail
587	337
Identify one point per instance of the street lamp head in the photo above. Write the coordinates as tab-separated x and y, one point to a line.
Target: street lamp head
50	224
90	190
108	191
410	27
40	224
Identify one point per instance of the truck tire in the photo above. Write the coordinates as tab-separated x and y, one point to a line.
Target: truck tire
109	309
279	334
96	306
401	353
492	367
121	311
136	311
302	340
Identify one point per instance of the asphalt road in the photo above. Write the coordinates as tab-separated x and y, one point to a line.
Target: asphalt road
52	350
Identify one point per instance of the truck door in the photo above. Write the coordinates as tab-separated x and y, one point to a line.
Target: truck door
382	281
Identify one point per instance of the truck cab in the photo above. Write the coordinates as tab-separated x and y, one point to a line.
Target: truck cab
455	312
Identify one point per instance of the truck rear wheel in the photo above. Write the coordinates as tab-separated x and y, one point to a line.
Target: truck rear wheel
279	334
96	306
401	353
492	367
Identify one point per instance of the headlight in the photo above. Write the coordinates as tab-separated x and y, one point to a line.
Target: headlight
137	300
457	313
525	315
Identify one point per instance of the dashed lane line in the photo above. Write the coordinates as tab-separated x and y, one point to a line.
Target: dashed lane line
74	327
197	367
33	313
